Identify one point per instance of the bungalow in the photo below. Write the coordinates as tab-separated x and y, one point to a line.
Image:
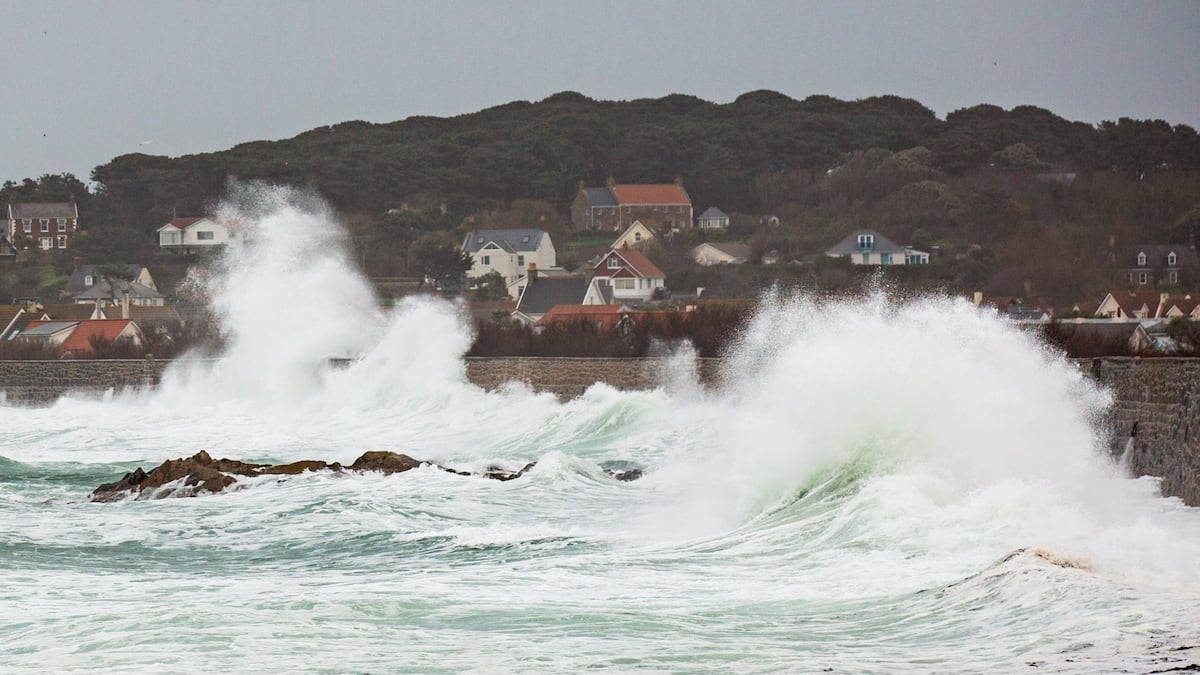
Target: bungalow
630	274
1131	305
713	219
189	236
542	293
868	247
723	253
74	339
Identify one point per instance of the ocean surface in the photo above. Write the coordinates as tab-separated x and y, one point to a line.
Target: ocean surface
882	485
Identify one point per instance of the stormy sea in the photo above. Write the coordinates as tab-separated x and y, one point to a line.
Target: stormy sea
882	485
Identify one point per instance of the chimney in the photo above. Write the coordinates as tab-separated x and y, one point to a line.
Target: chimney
125	304
610	181
978	298
1028	285
532	272
679	181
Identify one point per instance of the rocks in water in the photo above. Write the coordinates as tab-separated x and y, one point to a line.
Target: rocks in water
202	473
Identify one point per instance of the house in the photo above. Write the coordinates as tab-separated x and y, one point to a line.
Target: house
634	236
542	293
70	312
661	207
1131	305
868	247
189	236
50	224
1014	308
630	274
101	286
1156	265
713	219
769	220
723	253
510	253
603	317
74	339
10	319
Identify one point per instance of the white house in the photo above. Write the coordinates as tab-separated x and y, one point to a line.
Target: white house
720	253
630	274
713	219
510	253
189	236
868	247
634	236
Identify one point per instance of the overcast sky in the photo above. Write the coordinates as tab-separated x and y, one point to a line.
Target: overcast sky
83	82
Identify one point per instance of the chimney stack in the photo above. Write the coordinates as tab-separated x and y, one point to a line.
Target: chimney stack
125	304
532	272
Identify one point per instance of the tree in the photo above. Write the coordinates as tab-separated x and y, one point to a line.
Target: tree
436	257
491	286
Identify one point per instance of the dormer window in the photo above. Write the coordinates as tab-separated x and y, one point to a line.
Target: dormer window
1171	258
866	242
614	263
479	240
1142	259
525	239
89	280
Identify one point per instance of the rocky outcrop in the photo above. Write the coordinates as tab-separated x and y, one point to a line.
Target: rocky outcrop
189	476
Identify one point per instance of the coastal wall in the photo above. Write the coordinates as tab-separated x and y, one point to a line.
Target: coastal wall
1156	410
1156	415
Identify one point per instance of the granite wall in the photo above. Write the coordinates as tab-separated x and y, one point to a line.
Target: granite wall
1157	401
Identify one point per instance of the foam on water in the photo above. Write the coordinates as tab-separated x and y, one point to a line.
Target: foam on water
851	496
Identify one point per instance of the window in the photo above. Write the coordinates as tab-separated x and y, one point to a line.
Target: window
1142	259
1142	278
46	243
637	236
885	258
623	284
62	224
89	280
1171	258
45	224
866	258
485	260
204	235
1173	277
866	242
1129	277
614	263
520	261
27	225
61	241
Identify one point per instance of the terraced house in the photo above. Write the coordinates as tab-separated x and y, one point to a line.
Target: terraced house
47	225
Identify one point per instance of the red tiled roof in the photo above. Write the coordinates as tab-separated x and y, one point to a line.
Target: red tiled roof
606	316
182	223
80	340
651	194
638	261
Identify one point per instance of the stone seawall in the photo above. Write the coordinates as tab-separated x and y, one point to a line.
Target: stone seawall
1156	401
1156	405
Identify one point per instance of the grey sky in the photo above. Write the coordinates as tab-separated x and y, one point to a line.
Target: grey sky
83	82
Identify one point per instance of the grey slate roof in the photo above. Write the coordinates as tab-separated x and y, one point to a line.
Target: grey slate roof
713	212
76	283
512	241
850	244
113	290
546	292
44	210
599	197
1156	255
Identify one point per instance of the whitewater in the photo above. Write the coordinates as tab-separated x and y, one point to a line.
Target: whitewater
885	484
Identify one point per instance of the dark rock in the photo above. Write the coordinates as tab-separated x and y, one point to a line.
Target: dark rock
300	467
625	476
497	473
386	462
111	492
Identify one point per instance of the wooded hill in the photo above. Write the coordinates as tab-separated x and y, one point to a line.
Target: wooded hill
984	176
